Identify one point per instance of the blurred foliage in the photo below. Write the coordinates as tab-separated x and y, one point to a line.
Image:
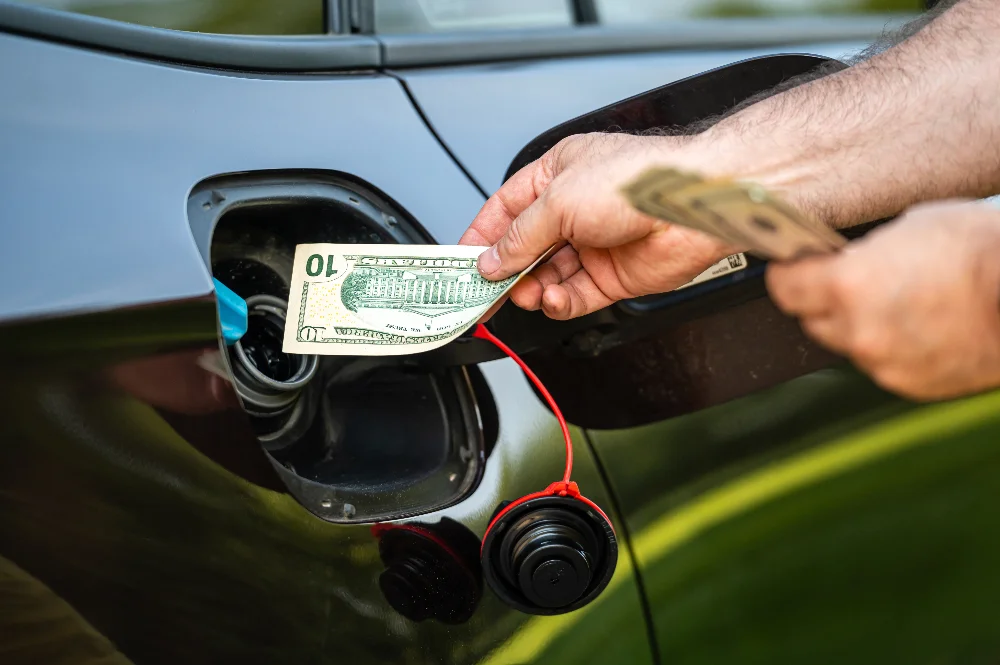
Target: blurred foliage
762	8
660	466
408	16
822	521
285	17
636	11
894	561
251	17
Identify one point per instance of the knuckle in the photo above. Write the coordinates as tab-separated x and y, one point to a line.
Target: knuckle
567	142
901	383
846	285
563	153
543	274
525	296
813	328
886	380
514	239
505	207
841	285
557	206
557	197
870	346
584	146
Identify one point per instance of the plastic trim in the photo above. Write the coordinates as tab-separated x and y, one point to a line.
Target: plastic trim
214	198
239	52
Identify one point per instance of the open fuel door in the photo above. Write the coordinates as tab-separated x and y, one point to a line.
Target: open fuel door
663	355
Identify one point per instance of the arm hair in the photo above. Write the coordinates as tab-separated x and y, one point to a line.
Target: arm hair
887	40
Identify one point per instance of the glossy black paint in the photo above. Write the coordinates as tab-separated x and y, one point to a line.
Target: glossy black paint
136	498
141	522
717	357
432	570
137	495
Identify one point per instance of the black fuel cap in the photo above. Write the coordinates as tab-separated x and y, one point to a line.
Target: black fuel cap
555	583
551	561
432	571
549	555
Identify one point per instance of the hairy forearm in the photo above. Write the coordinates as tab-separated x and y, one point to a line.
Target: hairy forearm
917	121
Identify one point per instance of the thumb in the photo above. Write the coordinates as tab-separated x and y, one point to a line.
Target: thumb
529	236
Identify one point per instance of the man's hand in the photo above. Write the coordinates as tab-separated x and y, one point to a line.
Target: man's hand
913	123
915	304
613	252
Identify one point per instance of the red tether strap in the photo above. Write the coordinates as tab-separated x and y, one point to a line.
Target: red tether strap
564	487
482	333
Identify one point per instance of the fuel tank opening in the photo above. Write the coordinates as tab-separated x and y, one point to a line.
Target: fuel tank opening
268	380
354	439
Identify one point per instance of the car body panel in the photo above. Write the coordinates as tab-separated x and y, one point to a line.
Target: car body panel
818	520
486	113
164	532
83	131
164	536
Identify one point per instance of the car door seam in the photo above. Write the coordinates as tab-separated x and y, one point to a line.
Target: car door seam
621	525
434	132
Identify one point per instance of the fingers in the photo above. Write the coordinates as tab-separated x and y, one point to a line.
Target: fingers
807	289
509	222
527	294
801	288
533	231
576	296
572	185
830	330
520	191
561	287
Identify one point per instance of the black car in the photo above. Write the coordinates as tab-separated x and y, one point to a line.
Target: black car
159	503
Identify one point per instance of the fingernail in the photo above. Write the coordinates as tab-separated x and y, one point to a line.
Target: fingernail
489	261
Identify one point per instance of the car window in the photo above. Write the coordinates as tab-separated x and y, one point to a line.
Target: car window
396	16
640	11
401	16
248	17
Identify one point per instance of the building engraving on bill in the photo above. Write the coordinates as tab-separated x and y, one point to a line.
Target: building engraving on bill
429	292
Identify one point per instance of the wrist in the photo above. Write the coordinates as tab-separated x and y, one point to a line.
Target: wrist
791	164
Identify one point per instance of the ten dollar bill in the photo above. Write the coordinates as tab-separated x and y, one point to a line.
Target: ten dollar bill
379	300
741	214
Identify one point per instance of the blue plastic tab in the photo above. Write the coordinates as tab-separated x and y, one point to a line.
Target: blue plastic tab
232	313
